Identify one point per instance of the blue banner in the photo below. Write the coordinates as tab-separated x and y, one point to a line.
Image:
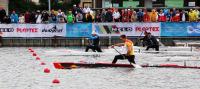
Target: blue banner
173	29
180	29
193	29
79	30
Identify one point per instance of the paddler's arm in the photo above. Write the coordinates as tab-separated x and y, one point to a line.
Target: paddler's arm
119	44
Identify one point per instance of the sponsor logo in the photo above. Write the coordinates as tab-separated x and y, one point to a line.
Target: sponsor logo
191	30
151	29
54	29
121	29
6	29
24	30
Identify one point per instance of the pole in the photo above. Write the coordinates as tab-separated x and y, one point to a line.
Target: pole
49	1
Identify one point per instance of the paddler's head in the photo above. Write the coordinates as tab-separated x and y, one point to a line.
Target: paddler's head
94	33
123	37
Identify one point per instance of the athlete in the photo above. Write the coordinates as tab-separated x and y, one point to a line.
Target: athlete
150	41
94	43
130	50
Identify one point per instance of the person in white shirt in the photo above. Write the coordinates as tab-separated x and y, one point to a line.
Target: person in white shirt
21	18
116	16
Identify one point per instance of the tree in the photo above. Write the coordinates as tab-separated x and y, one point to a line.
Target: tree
21	6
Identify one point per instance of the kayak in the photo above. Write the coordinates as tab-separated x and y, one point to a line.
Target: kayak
70	65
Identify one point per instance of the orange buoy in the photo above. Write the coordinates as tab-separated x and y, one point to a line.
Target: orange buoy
31	51
46	70
37	58
29	48
58	66
42	63
56	81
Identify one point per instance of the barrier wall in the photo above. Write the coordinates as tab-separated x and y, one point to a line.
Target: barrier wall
168	29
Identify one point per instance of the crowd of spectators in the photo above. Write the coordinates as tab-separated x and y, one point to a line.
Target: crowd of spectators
77	14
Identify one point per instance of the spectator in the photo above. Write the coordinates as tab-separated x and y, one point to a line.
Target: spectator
70	17
196	14
45	17
53	17
173	12
161	16
133	16
74	10
140	15
89	17
176	18
183	15
61	16
6	20
79	9
14	17
2	14
166	11
192	16
21	18
169	15
146	17
98	16
153	15
79	17
32	17
129	15
126	16
27	17
109	17
38	17
103	15
116	16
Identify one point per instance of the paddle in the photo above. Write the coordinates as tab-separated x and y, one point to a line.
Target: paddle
138	39
135	65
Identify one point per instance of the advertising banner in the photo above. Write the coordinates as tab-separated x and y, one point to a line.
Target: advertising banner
129	29
193	29
79	30
183	29
32	30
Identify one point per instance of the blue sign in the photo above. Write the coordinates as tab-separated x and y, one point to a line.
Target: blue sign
79	30
173	29
193	29
180	29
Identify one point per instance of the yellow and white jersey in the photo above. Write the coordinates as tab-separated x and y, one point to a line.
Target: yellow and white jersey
129	43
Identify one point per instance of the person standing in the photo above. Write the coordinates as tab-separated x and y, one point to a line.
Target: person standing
2	14
14	17
94	43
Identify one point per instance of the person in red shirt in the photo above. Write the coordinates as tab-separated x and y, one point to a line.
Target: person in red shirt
162	16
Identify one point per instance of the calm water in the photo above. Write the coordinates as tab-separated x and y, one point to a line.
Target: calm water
20	70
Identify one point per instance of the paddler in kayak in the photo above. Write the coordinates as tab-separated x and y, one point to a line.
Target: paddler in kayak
130	50
94	43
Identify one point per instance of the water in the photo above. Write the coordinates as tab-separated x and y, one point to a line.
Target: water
20	70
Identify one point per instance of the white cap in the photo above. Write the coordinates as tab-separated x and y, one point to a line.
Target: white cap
93	32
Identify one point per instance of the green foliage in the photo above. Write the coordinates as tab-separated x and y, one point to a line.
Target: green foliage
26	5
21	6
